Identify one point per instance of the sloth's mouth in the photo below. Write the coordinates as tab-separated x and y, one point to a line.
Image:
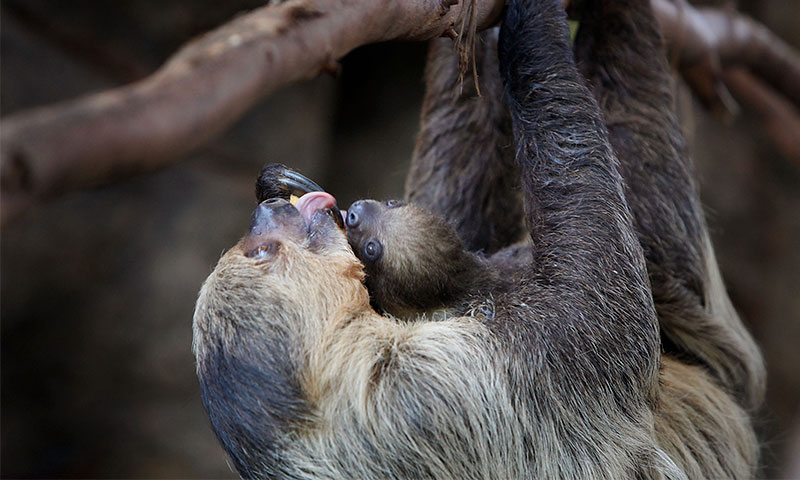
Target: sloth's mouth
312	202
294	208
276	220
308	197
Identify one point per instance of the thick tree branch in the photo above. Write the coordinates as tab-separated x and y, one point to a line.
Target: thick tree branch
213	80
200	91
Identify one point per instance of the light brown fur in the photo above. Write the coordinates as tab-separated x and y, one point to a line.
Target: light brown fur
701	427
365	377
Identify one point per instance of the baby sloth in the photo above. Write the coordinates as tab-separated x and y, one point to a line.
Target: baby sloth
416	262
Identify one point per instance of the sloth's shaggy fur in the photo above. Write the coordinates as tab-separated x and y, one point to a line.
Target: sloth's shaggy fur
559	373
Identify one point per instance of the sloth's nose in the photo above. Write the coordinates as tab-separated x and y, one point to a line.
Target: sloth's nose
269	213
354	214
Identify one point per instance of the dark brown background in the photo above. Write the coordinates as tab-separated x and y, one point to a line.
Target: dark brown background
98	287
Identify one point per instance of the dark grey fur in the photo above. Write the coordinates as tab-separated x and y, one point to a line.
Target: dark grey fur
481	199
621	53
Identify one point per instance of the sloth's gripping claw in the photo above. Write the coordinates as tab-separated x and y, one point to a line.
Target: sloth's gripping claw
279	181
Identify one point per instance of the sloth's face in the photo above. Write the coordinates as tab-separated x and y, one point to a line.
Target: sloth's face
293	264
308	225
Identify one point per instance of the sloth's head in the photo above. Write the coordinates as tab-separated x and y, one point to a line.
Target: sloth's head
414	260
294	263
258	312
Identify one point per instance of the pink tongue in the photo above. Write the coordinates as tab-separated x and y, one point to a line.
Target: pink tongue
312	202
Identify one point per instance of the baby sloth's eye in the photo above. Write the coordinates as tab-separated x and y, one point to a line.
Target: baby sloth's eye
394	203
373	250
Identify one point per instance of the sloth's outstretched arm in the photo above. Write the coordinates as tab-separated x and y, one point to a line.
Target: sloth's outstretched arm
584	324
620	51
463	164
588	269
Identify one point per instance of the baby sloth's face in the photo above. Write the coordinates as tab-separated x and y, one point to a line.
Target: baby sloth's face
412	257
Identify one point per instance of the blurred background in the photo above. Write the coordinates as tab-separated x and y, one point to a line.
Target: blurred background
98	287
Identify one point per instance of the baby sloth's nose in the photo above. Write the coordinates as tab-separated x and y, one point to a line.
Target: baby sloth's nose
354	214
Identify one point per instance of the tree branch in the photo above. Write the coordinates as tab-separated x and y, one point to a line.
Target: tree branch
200	91
705	41
213	80
781	119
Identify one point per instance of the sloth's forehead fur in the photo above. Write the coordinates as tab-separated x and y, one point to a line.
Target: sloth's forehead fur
289	266
279	285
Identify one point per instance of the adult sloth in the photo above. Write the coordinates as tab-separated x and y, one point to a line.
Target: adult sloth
558	377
